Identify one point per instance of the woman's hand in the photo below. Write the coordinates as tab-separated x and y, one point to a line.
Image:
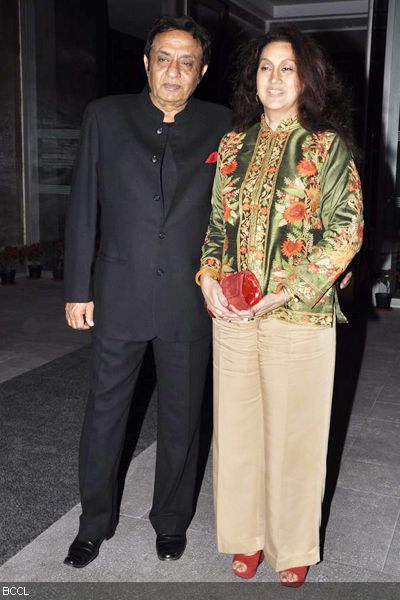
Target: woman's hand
216	302
270	302
240	315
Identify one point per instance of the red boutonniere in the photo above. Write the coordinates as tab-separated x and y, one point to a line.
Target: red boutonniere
212	158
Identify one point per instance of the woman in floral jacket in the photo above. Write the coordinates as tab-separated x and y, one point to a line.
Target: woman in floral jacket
287	205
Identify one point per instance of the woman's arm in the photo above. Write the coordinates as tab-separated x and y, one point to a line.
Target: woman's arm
342	221
212	250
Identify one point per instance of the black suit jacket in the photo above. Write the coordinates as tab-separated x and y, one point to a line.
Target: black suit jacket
144	271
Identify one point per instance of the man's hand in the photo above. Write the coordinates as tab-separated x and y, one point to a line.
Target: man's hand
79	315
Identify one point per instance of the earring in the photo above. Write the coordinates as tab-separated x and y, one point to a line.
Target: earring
257	98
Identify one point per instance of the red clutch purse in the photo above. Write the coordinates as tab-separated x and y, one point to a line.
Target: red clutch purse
242	289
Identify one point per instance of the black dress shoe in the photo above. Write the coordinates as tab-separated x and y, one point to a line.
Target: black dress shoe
170	547
82	552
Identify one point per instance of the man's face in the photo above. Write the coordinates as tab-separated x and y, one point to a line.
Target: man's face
174	69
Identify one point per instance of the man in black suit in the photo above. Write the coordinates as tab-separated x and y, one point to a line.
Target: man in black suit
144	171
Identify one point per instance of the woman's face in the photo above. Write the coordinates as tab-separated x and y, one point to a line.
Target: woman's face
278	84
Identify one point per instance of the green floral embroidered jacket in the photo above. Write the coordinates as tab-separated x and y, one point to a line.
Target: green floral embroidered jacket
286	204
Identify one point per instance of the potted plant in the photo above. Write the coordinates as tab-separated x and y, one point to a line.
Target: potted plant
383	298
57	252
33	254
9	257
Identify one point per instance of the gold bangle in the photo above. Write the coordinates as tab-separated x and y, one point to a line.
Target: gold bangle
207	270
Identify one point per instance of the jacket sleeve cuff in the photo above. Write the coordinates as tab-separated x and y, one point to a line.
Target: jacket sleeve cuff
210	265
305	291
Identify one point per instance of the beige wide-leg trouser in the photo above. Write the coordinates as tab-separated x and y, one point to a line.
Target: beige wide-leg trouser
273	385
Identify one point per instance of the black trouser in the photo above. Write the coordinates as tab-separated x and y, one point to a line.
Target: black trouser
181	372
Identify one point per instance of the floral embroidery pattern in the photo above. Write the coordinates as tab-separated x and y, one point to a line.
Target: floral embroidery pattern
229	149
306	167
291	247
286	314
295	212
229	168
337	247
257	194
299	203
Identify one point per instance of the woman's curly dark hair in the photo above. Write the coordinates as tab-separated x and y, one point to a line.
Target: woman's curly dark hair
322	103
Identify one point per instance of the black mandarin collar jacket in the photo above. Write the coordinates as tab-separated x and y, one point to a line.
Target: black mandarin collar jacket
144	270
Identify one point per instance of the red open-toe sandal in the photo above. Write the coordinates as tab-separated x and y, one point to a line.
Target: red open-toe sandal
300	572
251	563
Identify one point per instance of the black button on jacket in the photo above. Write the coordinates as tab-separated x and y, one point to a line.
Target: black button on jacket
116	181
